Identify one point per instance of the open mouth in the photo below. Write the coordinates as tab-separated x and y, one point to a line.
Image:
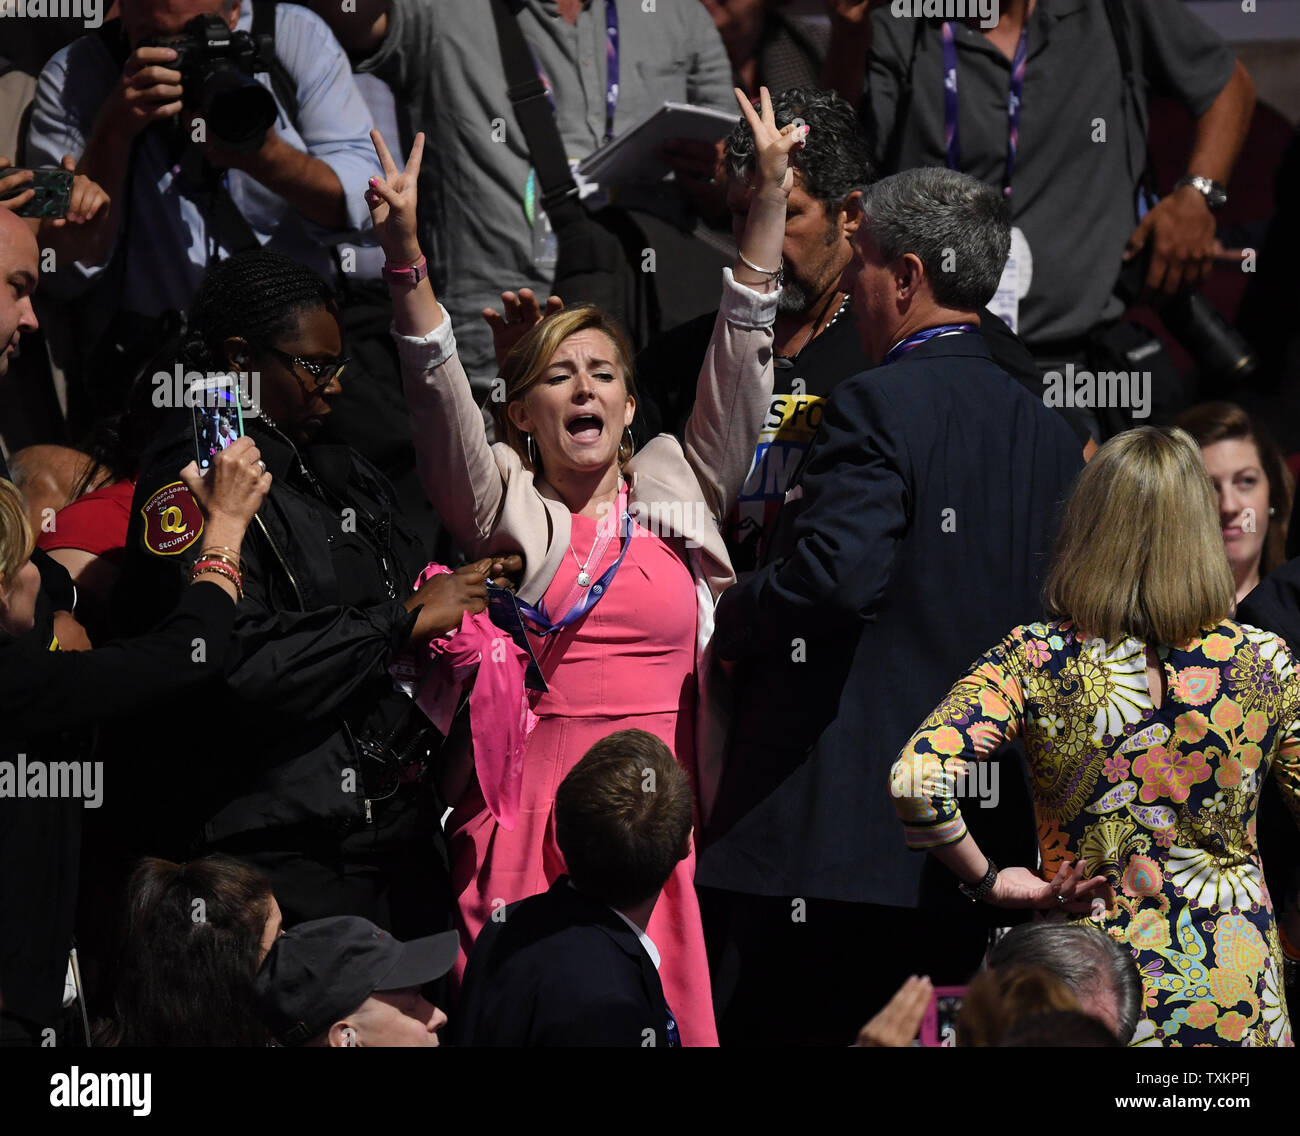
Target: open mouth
585	428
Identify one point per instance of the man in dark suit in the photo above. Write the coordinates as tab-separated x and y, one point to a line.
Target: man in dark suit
916	530
574	966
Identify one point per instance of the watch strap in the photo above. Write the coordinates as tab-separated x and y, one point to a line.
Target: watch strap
982	888
410	274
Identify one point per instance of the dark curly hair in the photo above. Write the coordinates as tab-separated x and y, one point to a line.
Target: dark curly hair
253	295
836	159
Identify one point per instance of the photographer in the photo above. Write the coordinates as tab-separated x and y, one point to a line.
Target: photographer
201	149
1050	105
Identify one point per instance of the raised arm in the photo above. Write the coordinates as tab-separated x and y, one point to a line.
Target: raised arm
455	463
735	385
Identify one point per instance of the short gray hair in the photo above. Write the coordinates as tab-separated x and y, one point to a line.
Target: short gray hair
1085	958
957	226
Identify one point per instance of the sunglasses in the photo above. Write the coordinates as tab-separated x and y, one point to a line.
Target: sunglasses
323	373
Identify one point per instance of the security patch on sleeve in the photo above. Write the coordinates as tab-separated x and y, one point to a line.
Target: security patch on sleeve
172	520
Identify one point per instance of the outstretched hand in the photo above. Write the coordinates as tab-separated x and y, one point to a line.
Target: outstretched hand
1019	887
521	314
392	200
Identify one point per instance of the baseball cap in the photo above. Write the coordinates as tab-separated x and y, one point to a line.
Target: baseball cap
322	970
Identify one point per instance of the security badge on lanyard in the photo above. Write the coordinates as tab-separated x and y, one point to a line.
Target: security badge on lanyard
584	597
1019	271
545	245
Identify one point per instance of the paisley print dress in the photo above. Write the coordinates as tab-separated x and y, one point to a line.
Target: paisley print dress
1161	801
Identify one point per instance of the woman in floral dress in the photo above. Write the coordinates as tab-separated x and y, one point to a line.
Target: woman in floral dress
1151	721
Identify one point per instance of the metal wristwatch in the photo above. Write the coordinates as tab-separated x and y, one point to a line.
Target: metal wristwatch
983	888
1216	197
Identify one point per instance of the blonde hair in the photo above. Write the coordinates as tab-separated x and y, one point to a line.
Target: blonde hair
16	538
1140	553
529	359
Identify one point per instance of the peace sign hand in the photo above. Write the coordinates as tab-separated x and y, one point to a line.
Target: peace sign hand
772	146
392	201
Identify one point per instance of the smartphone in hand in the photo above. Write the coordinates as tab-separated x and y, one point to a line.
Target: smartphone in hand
52	188
214	402
939	1026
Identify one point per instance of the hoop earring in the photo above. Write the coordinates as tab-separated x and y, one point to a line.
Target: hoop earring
528	445
631	443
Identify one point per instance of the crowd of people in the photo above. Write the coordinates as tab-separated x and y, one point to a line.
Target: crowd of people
568	637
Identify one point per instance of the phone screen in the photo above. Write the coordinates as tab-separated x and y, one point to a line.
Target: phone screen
939	1026
52	190
217	420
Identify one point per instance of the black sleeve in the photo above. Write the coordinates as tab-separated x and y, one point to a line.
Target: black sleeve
49	692
55	581
1274	604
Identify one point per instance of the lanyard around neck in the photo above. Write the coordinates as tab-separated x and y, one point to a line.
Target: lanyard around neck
902	347
589	597
1015	98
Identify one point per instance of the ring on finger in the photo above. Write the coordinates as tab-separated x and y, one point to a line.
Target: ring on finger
261	465
1060	900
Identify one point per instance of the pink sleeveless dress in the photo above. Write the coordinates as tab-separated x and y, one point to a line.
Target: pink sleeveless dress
629	663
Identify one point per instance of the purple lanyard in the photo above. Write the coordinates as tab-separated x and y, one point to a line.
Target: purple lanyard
916	339
951	135
589	597
611	69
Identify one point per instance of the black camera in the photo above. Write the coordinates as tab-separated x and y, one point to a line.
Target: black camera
217	67
1222	355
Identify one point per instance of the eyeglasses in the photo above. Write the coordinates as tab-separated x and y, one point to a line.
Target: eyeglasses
323	372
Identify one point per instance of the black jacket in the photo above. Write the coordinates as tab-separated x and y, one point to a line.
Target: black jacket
918	537
49	697
326	567
561	969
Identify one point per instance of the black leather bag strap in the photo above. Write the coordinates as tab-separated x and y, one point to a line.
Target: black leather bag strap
533	111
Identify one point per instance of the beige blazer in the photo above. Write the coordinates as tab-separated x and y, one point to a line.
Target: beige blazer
491	503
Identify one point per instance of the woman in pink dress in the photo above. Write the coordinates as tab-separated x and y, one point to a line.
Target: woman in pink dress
623	557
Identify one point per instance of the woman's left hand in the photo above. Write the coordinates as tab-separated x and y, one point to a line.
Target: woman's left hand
772	146
1067	891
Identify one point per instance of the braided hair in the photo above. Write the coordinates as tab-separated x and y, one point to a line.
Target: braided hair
255	296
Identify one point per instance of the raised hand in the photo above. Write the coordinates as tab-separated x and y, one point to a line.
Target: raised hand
234	488
772	145
896	1025
521	314
392	201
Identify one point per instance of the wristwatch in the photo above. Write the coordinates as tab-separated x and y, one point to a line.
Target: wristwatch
1216	197
410	274
982	888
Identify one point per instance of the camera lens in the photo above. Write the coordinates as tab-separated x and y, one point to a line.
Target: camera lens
238	109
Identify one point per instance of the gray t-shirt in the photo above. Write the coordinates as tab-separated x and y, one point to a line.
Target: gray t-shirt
1073	197
443	62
